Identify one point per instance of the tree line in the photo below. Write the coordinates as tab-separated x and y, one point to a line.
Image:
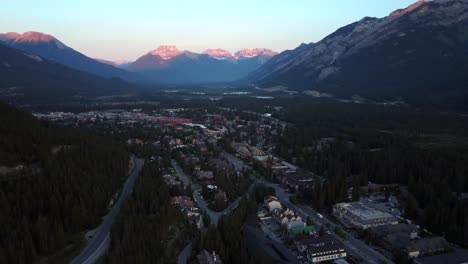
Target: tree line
64	186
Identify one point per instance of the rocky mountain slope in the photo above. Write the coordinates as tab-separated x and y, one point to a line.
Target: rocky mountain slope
29	78
49	47
419	51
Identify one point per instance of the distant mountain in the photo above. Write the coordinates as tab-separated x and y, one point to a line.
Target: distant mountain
122	64
251	53
27	77
52	49
168	64
419	53
219	53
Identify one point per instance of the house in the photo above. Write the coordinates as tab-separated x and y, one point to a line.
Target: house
205	257
194	216
292	222
272	203
297	232
359	215
183	201
205	175
288	218
171	180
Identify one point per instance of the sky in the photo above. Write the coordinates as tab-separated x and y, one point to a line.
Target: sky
127	29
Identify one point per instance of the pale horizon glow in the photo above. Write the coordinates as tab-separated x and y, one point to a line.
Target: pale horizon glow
125	30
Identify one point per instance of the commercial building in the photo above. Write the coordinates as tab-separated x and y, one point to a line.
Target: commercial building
325	248
458	256
359	215
403	240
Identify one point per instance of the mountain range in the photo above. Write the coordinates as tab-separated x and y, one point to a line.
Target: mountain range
49	47
419	53
165	64
168	64
26	77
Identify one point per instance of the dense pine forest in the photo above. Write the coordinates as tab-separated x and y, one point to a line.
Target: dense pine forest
55	184
149	229
425	153
227	239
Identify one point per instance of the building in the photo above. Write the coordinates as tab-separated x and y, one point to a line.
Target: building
426	247
205	175
204	257
325	248
288	218
359	215
183	201
296	181
300	232
272	203
403	240
458	256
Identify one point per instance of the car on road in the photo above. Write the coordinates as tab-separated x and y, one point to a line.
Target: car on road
319	215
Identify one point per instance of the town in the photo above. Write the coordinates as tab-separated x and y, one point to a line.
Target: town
213	158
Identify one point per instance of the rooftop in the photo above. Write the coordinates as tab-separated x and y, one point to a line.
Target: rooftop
363	211
459	256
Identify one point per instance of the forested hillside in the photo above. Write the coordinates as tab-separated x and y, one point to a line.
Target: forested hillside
149	228
425	153
55	183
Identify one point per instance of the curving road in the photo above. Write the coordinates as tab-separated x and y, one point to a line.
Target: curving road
214	216
99	241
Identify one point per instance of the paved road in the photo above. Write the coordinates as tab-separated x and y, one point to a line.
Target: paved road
214	216
100	240
355	247
185	254
237	163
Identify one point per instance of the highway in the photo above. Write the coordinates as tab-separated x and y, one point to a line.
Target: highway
185	254
100	239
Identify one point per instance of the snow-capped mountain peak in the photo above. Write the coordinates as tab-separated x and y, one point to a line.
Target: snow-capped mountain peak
219	53
166	52
31	37
250	53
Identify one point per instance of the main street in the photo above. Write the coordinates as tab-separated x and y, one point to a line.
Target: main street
99	241
355	247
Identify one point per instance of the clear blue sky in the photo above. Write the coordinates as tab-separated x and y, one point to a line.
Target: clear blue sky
126	29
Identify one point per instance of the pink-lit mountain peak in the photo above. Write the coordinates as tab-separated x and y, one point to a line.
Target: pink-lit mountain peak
32	36
219	53
409	9
166	52
250	53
